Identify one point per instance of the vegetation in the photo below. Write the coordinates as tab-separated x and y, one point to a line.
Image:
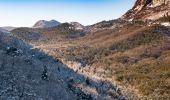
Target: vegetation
149	72
166	18
139	39
34	35
150	76
44	75
134	55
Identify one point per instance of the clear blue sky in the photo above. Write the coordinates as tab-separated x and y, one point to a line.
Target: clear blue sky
26	12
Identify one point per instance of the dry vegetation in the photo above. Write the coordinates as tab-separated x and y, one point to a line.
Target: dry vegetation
147	70
166	18
64	31
134	54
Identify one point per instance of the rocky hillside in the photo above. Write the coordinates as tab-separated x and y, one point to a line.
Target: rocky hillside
46	24
33	75
148	9
77	25
23	73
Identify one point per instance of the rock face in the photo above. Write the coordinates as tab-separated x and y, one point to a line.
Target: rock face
148	9
77	25
46	24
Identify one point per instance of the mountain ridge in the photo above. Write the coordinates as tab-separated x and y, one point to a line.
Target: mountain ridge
46	24
148	10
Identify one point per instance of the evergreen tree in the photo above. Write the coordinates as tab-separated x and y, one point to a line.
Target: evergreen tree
44	75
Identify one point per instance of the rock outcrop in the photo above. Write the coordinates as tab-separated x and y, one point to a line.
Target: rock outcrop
46	24
148	10
77	25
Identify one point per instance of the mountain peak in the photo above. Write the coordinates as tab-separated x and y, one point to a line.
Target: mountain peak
77	25
46	24
148	10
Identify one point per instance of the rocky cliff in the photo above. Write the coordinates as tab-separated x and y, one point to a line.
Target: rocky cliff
148	9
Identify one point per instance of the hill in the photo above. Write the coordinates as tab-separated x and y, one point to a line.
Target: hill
46	24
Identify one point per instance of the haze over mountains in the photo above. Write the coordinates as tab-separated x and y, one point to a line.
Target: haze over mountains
122	59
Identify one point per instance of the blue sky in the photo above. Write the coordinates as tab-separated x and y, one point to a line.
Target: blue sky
26	12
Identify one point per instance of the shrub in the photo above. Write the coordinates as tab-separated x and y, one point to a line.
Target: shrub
139	39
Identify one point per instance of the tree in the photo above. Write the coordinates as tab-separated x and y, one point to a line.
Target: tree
44	75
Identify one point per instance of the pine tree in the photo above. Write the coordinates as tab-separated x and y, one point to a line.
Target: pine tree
44	73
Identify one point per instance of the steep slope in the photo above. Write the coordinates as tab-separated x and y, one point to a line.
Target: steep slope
46	24
148	9
21	71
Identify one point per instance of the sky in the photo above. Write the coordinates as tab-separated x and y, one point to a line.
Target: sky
24	13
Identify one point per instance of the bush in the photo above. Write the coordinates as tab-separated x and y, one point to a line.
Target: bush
149	76
166	18
44	75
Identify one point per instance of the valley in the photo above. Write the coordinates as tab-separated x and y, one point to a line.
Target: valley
121	59
116	55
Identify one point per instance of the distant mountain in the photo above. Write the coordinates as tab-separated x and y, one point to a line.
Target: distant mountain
3	30
77	25
8	28
62	31
46	24
148	9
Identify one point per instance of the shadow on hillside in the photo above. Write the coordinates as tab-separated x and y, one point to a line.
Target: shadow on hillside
74	81
22	67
